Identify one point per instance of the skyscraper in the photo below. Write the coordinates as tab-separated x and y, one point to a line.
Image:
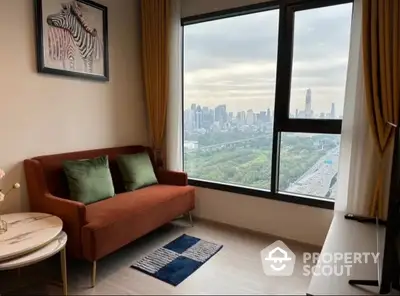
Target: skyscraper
250	117
192	116
188	120
268	115
220	114
199	118
263	116
308	111
333	111
242	117
224	114
212	115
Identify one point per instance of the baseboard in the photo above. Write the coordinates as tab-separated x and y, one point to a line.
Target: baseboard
256	232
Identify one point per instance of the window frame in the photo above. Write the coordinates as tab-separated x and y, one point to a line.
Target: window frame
282	121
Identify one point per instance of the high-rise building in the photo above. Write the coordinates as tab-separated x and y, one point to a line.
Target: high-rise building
192	118
250	117
230	116
212	115
207	117
242	117
263	116
308	110
199	118
188	120
268	115
220	114
224	114
333	111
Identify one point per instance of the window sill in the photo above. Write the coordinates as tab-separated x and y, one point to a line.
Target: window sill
308	201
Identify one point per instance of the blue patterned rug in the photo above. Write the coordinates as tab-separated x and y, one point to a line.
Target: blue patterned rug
177	260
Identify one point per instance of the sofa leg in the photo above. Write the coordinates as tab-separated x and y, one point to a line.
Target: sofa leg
190	218
94	271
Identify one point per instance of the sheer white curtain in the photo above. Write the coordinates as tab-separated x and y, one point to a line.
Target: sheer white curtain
174	112
358	162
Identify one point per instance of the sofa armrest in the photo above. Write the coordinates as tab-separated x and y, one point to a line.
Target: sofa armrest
71	212
172	178
73	215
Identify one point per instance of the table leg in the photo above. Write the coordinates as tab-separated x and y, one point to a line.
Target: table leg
64	271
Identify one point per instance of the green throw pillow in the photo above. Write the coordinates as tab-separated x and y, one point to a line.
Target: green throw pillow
89	180
137	171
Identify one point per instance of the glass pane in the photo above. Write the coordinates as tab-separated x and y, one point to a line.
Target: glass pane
229	93
320	57
309	164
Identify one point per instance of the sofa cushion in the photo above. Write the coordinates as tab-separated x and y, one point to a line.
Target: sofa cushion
131	203
54	176
130	215
137	171
89	180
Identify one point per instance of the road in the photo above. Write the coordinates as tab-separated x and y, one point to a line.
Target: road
317	180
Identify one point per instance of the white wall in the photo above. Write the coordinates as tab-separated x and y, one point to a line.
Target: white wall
43	114
301	223
297	222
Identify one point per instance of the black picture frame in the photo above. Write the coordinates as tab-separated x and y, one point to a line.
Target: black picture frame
40	57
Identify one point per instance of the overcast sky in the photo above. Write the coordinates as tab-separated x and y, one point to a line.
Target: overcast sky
232	61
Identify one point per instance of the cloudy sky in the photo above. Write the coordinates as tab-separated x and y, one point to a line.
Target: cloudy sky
232	61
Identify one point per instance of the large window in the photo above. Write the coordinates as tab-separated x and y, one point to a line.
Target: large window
263	99
229	99
320	53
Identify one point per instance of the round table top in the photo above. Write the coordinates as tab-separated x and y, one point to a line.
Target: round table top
27	232
40	254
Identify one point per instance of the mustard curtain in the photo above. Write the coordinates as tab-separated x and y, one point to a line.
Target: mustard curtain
381	25
155	16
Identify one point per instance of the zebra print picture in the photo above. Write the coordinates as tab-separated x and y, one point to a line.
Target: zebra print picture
72	38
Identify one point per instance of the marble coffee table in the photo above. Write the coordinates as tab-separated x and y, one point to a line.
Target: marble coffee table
27	232
31	238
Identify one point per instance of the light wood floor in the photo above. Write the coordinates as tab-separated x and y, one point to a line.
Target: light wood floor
236	269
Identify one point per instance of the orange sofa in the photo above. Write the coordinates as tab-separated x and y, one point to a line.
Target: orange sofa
98	229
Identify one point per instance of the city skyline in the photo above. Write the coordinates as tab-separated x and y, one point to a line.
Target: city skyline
198	116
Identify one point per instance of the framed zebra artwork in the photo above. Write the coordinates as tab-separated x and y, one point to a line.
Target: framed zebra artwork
72	38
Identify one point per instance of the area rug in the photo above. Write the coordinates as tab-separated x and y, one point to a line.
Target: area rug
177	260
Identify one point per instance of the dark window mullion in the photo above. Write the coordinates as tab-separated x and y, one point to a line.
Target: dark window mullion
276	150
282	88
284	65
314	126
311	4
